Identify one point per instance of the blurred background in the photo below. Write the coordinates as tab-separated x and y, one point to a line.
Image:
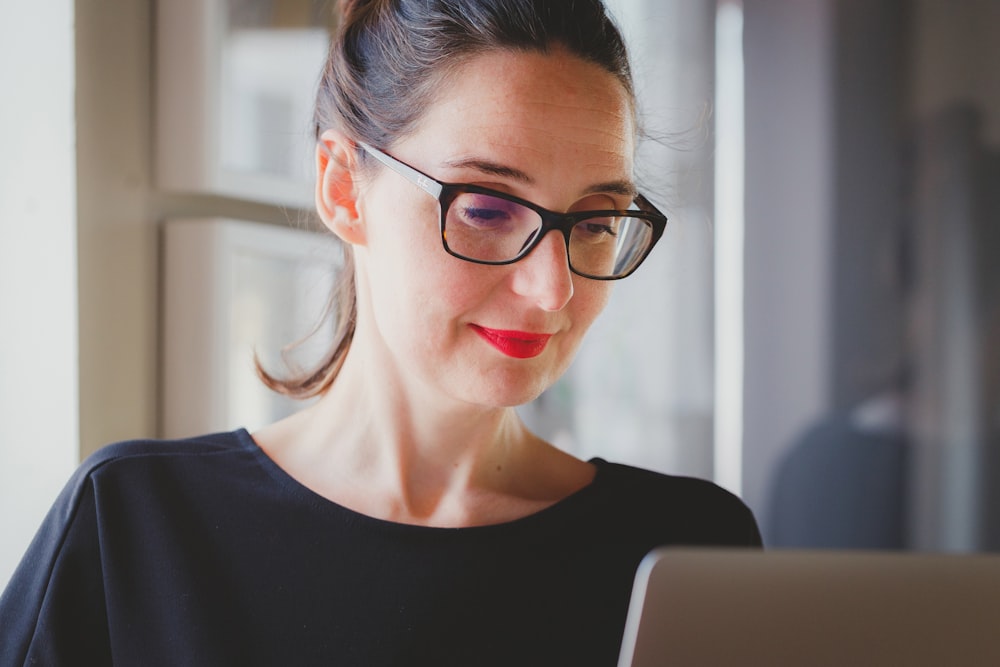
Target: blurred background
818	331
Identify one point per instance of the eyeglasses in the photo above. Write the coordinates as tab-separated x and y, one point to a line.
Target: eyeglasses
489	227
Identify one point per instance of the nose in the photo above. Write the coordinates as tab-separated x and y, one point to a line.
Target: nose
544	276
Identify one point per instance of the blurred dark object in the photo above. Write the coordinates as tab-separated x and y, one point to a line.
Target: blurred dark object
842	485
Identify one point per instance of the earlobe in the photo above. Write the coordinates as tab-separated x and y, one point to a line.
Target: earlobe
336	188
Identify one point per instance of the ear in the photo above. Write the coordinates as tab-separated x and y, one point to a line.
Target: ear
336	186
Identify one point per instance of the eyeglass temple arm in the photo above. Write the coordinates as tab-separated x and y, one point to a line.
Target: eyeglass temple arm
645	205
421	180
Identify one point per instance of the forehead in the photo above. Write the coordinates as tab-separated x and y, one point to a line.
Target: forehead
533	108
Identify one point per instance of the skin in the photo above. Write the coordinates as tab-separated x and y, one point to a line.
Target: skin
419	426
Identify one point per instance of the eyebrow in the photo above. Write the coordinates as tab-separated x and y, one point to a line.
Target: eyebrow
491	168
620	187
625	188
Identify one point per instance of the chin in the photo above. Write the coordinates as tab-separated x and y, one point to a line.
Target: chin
509	390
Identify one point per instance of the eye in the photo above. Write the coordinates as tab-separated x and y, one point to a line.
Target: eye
597	230
483	217
487	213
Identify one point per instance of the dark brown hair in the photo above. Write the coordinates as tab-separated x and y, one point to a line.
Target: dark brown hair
386	64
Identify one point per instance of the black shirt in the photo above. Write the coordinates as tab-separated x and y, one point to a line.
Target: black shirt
205	552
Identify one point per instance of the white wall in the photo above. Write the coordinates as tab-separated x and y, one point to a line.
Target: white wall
788	49
117	234
38	268
79	284
119	211
659	322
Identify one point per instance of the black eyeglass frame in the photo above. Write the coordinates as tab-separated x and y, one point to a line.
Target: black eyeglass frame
446	193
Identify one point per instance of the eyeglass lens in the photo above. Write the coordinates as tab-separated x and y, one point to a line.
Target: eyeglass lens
491	229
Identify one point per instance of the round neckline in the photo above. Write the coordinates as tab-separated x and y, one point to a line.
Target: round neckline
301	491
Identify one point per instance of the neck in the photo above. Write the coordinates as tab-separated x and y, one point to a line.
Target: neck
376	448
383	444
391	421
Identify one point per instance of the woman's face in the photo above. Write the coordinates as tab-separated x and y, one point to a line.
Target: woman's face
550	128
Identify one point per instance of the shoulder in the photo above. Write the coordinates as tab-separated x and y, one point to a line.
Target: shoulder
142	451
180	449
694	510
137	476
56	595
641	481
141	465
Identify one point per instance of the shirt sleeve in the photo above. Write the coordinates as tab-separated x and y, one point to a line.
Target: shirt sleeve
53	610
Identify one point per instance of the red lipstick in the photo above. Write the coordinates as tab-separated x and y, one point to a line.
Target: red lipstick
517	344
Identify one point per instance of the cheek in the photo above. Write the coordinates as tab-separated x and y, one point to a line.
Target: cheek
402	239
417	289
591	296
401	223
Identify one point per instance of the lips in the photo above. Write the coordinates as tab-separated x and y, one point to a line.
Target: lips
517	344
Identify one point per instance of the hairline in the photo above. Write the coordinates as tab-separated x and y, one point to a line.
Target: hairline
435	86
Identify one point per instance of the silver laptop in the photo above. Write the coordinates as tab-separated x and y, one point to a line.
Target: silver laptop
723	607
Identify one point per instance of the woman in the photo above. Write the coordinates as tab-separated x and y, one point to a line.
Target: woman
469	153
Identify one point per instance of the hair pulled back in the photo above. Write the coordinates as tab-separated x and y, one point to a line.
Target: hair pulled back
390	56
388	61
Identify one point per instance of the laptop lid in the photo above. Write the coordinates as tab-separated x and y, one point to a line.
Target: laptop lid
727	607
